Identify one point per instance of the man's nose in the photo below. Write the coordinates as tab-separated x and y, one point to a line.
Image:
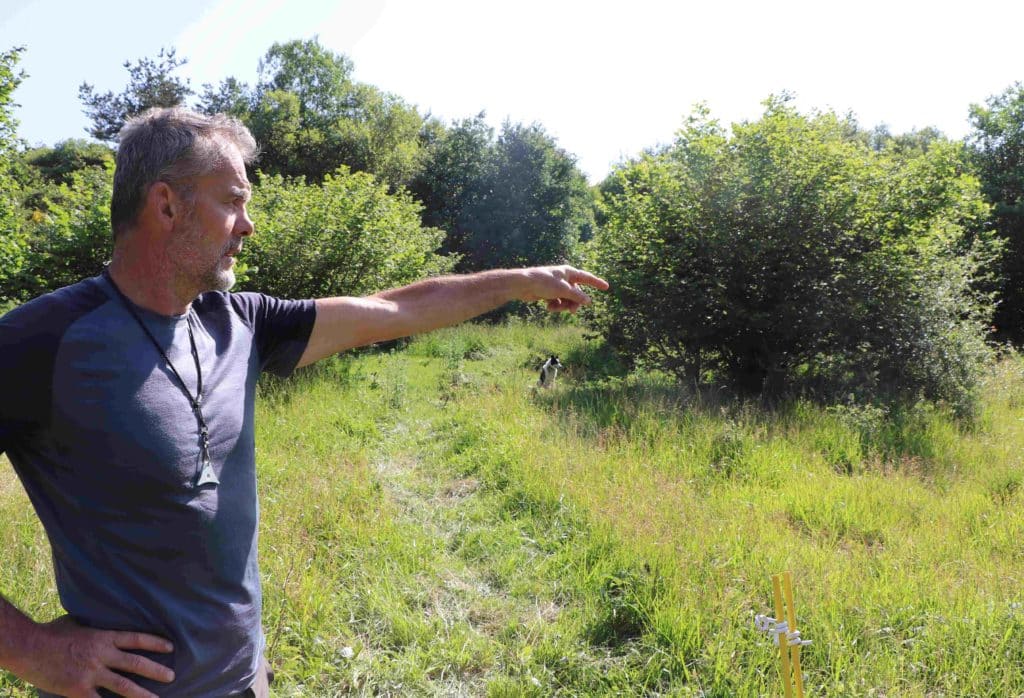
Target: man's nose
244	226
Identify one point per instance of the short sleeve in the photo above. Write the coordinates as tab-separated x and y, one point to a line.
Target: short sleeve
30	336
26	374
281	328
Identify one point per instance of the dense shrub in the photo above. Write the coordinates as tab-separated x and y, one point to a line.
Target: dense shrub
57	164
69	235
347	236
788	254
12	241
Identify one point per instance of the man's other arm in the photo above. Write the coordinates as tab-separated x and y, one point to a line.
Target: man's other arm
67	659
344	322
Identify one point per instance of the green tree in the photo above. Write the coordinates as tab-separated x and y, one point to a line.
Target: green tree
151	83
344	236
531	206
518	200
453	176
12	237
998	147
788	254
310	116
231	96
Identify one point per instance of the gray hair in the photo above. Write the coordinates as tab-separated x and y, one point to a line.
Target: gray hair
170	145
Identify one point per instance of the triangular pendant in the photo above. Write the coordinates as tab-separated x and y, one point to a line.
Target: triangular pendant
207	476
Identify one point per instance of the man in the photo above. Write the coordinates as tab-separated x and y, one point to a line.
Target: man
133	427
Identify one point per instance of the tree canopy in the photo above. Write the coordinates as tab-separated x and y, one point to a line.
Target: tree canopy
515	200
151	83
310	116
998	145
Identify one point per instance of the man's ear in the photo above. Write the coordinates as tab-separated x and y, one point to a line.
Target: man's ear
164	205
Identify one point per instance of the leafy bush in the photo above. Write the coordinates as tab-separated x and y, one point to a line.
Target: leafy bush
791	255
12	242
69	236
56	164
347	236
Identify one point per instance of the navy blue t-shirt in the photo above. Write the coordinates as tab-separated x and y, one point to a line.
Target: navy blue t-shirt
107	446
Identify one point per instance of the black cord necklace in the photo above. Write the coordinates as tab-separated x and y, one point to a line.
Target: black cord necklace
205	475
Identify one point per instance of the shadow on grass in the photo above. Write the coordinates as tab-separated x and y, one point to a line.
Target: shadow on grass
600	394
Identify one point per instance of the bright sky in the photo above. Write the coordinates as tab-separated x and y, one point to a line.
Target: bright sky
605	79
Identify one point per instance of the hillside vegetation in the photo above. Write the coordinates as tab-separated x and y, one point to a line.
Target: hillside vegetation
434	525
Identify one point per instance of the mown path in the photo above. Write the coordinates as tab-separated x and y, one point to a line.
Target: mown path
466	594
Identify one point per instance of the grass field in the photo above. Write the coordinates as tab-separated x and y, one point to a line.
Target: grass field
433	525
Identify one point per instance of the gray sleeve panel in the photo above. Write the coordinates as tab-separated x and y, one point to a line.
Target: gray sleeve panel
30	336
281	328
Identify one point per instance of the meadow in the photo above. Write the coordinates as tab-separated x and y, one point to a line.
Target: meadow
432	524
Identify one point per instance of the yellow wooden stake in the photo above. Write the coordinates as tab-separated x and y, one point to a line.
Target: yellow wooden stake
787	682
798	678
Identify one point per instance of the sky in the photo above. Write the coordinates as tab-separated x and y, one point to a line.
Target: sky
605	79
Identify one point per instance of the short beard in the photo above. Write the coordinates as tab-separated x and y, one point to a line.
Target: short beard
217	278
220	279
213	278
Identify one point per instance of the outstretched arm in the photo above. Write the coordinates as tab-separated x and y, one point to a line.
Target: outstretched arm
343	323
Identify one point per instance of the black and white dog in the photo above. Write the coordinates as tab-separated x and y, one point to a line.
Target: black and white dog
549	371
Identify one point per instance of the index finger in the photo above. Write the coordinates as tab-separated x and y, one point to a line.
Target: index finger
141	641
578	276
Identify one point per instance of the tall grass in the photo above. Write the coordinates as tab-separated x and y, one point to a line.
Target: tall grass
432	524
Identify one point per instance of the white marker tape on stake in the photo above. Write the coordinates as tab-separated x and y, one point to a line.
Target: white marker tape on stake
774	627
